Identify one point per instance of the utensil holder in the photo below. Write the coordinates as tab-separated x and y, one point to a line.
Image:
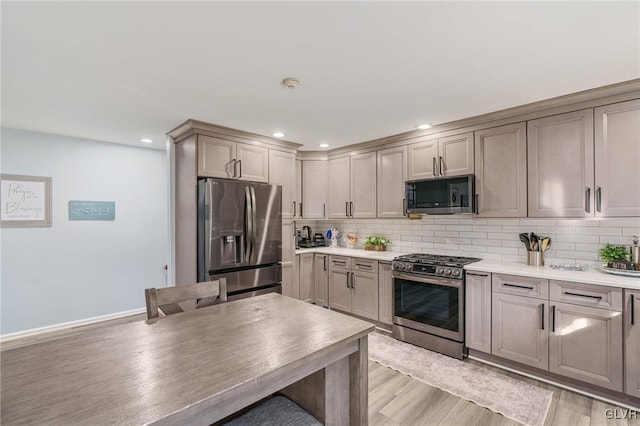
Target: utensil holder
535	258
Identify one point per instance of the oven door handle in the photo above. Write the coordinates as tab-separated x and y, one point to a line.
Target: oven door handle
434	281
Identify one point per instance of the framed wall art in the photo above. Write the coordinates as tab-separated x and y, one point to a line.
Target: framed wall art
25	201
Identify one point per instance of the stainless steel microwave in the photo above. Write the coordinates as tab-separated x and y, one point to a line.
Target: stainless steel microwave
445	195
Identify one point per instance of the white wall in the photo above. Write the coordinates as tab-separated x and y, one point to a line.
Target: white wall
573	240
76	270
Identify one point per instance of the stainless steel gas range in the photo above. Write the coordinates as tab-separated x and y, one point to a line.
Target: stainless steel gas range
428	301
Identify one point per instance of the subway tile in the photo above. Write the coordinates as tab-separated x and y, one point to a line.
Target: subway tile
416	227
518	229
433	227
502	236
564	230
599	231
473	249
447	221
473	221
391	226
626	222
578	222
631	231
482	242
577	238
513	243
628	240
426	235
514	258
473	235
537	222
486	228
586	247
563	246
412	238
447	234
445	246
581	255
505	250
489	256
463	228
503	222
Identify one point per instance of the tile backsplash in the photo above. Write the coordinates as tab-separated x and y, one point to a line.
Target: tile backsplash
572	240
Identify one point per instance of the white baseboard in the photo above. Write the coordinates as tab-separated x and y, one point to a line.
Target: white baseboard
560	385
66	325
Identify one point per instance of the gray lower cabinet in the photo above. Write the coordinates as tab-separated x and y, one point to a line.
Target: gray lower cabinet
353	286
477	326
385	293
519	332
632	342
586	344
305	274
321	276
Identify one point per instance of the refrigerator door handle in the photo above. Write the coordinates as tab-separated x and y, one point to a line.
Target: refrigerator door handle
208	196
253	217
249	223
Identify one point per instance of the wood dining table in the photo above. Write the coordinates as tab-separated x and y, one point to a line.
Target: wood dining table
193	368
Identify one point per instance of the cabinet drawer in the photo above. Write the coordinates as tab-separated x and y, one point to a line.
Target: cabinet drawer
586	295
521	286
340	262
366	265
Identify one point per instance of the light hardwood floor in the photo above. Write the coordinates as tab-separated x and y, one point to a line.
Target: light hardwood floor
397	399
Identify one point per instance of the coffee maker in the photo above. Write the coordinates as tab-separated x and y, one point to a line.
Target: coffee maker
304	237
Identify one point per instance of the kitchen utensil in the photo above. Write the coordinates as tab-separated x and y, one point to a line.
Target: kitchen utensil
545	243
525	239
534	242
319	238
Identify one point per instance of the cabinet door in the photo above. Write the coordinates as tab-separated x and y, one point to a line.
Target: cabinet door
423	158
364	300
287	280
338	197
560	165
282	171
253	162
288	241
321	276
501	171
363	186
477	327
314	189
306	278
632	336
455	155
586	344
617	148
519	329
385	293
392	174
297	201
339	289
216	157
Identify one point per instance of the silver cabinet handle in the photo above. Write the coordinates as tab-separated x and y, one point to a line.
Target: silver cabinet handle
240	164
324	210
300	209
324	263
294	209
477	275
568	293
353	284
542	315
633	311
599	200
234	161
346	208
587	200
360	265
435	168
441	166
348	286
553	319
351	208
404	207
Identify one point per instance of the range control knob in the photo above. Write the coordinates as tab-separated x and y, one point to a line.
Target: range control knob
447	271
395	265
407	266
456	272
439	270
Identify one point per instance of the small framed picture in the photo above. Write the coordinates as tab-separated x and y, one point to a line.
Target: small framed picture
25	201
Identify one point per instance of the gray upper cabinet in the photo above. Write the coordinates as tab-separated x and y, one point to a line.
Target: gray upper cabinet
501	171
617	156
631	317
232	160
352	186
434	158
282	171
314	189
560	165
392	174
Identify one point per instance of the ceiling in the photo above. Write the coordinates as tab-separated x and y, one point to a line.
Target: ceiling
122	71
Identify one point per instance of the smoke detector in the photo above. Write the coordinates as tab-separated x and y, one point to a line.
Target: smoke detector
290	82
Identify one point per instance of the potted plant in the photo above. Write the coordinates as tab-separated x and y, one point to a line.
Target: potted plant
613	252
376	243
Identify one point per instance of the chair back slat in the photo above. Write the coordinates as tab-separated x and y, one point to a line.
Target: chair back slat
167	299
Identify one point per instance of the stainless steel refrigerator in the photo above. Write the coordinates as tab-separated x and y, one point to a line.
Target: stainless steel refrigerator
240	235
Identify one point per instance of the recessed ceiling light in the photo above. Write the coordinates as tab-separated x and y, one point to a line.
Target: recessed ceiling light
324	145
278	135
146	140
423	126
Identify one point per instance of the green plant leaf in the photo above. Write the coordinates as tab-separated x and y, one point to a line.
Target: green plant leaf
611	252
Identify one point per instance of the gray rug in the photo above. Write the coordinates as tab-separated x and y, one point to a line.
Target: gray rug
512	398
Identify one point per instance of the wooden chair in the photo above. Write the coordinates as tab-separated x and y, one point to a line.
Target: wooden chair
165	300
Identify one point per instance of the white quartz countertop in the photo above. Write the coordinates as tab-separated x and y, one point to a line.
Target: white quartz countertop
593	275
386	256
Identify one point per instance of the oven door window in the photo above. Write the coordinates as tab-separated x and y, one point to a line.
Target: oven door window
430	304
